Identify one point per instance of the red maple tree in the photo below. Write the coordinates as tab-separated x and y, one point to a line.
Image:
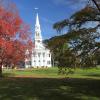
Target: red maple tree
14	37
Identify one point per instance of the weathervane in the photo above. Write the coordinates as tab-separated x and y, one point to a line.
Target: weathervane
36	8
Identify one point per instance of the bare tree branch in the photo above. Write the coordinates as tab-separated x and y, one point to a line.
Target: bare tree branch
96	4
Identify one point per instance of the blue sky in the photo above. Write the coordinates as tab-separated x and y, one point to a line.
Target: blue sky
50	11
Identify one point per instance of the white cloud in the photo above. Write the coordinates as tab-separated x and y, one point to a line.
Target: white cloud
68	2
72	5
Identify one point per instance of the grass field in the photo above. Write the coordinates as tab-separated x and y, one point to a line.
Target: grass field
53	73
46	84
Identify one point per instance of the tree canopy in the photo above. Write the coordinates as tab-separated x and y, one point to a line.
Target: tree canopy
14	36
83	34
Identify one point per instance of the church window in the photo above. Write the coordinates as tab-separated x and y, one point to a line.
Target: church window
43	60
48	62
43	54
39	54
34	54
34	61
39	60
49	55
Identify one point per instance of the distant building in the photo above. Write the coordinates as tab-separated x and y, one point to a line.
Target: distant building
40	55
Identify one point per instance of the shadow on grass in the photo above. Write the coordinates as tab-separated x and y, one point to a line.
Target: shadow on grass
92	75
8	75
49	89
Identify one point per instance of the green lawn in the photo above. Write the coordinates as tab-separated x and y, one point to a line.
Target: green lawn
46	84
93	73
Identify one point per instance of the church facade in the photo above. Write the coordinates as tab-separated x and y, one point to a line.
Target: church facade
40	55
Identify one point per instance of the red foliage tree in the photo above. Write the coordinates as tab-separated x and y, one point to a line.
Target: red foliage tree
14	37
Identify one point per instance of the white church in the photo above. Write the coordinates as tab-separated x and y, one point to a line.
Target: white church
40	55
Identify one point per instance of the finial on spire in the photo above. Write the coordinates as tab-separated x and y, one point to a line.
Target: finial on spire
36	8
37	18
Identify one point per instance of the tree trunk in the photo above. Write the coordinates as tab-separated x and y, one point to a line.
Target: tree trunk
0	69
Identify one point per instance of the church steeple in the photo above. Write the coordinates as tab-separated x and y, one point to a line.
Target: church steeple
38	37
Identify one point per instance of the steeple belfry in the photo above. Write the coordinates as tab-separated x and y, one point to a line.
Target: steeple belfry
38	37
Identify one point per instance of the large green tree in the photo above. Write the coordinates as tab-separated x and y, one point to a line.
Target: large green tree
57	45
84	34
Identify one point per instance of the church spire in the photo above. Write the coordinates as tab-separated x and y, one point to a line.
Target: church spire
37	20
38	37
